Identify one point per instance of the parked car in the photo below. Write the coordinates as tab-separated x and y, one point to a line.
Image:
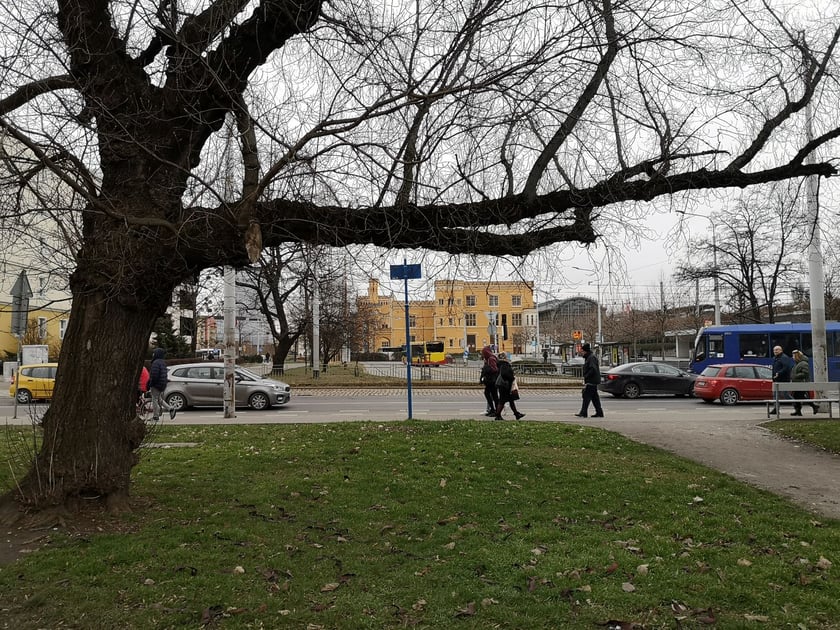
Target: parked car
33	382
632	380
733	382
202	384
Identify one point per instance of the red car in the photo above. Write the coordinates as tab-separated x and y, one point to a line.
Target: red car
733	382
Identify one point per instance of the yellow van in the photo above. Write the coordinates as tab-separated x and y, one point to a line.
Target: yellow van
33	382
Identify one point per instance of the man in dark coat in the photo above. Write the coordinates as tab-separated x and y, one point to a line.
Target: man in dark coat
158	378
591	379
782	370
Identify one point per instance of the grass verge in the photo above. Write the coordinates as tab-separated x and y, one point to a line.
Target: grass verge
819	432
457	524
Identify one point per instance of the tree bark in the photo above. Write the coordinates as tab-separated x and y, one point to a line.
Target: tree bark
90	434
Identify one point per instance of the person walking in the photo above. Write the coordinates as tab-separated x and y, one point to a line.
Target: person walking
782	369
591	379
489	373
158	378
801	373
508	389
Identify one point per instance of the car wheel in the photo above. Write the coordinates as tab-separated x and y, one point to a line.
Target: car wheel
632	390
23	397
259	401
177	401
729	396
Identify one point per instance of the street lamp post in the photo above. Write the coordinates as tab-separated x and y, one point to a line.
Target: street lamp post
599	338
714	260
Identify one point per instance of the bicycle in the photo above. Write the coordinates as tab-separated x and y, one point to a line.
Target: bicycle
144	409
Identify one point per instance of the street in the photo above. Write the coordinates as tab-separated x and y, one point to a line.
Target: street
343	404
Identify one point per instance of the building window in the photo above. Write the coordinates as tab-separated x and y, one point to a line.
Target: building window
42	327
412	322
516	319
440	301
493	300
470	300
451	343
62	328
469	319
516	300
451	321
440	322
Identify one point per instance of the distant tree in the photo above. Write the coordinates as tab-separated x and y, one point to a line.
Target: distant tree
164	336
761	252
275	286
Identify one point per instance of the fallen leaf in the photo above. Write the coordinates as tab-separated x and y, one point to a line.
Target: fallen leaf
642	569
238	570
612	568
743	562
420	604
762	618
328	588
823	563
466	611
488	601
442	483
627	587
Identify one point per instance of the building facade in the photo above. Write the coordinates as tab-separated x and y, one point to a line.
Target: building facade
464	315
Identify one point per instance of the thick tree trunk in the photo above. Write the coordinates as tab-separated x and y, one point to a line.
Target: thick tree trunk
90	435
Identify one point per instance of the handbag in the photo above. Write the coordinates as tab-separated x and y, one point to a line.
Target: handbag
500	381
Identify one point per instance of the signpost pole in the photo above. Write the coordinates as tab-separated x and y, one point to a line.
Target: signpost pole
406	272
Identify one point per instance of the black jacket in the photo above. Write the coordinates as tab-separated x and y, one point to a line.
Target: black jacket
591	371
158	374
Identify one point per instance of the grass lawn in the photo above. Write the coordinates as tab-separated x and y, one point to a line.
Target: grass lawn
457	524
821	432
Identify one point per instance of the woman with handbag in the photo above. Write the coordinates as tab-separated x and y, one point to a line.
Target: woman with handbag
508	389
489	372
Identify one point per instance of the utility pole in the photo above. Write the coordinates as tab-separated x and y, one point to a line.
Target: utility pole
228	390
816	279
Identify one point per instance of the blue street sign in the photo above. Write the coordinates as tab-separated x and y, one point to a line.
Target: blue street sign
405	272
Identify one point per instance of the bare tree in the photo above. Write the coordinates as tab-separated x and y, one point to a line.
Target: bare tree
492	127
274	286
760	249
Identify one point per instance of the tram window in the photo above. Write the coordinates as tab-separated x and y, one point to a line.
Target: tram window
753	345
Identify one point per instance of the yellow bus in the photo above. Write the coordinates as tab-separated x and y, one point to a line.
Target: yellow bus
428	353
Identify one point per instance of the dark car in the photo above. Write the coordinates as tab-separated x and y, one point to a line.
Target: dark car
732	382
632	380
202	384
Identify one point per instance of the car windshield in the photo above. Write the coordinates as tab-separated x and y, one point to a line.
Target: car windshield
248	374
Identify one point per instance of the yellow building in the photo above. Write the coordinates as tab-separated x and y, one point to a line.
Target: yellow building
49	312
460	315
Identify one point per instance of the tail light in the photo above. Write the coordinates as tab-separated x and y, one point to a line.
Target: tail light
612	377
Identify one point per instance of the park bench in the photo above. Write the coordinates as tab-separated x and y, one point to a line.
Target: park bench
824	394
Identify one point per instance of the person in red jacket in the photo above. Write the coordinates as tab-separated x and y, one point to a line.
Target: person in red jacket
144	380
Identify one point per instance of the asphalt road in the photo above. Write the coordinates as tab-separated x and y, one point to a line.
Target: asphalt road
729	439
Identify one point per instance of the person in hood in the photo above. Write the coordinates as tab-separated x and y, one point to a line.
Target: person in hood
158	378
489	373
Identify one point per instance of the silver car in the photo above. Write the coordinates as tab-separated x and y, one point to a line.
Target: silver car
202	384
